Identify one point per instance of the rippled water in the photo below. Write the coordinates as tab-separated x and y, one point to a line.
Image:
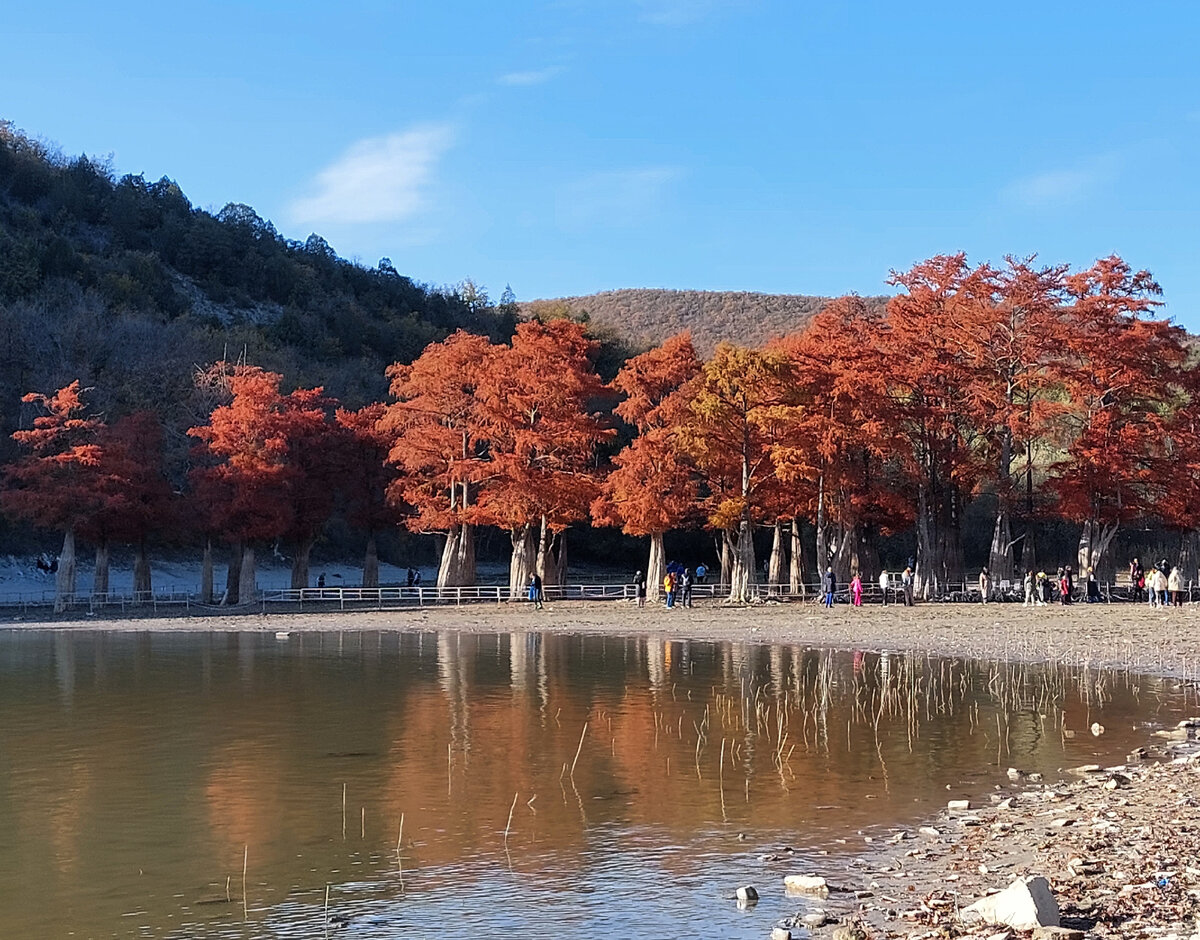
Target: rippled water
139	773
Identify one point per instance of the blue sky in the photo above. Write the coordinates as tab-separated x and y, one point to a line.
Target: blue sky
571	146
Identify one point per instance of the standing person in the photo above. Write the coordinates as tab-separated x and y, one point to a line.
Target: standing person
884	583
535	590
686	584
1175	587
906	585
669	588
701	573
985	585
1027	584
1093	587
1064	587
1152	586
829	586
1137	579
639	589
856	589
1070	584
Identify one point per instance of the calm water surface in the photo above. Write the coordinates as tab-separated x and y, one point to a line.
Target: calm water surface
139	773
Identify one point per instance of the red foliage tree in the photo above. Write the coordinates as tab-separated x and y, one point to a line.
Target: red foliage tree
837	454
271	469
1124	378
365	476
536	413
437	444
135	500
738	408
54	484
653	488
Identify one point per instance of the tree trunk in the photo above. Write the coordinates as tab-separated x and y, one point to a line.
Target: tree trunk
776	562
925	583
844	552
300	563
249	592
100	576
457	567
233	576
727	539
953	558
823	554
1094	543
370	575
524	559
551	555
1000	556
206	574
142	586
796	562
656	566
64	580
1028	551
741	578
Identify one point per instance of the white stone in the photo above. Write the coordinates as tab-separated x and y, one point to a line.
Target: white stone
1025	904
956	805
747	893
806	884
781	933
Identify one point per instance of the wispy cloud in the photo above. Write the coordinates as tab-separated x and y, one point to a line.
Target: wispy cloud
616	198
680	12
531	77
380	179
1062	187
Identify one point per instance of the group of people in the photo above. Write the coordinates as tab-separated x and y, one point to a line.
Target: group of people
1040	588
677	584
1162	585
829	587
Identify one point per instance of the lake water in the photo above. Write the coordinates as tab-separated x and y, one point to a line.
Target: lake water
142	773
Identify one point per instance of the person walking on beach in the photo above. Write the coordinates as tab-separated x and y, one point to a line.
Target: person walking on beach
669	588
639	589
1093	587
884	583
1028	585
1175	587
985	585
686	586
856	589
829	586
906	585
1137	579
1064	588
535	590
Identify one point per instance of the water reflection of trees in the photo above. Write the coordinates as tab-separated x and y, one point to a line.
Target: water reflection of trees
219	742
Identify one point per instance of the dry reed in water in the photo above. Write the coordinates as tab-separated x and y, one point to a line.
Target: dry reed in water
582	735
508	825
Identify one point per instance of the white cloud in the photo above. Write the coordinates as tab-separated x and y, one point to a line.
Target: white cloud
616	198
380	179
1062	187
532	77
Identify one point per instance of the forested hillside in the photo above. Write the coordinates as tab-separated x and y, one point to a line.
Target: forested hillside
646	317
125	285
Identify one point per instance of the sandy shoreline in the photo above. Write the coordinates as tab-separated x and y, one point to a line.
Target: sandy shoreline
1128	636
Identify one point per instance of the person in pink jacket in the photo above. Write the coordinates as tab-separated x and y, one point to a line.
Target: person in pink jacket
856	590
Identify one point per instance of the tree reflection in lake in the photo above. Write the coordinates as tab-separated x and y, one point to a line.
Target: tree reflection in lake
138	770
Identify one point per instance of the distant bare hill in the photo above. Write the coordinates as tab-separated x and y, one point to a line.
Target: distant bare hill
645	317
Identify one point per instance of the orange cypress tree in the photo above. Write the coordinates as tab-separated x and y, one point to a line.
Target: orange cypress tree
1124	377
54	484
244	480
365	476
436	442
536	413
653	488
837	456
737	413
134	499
